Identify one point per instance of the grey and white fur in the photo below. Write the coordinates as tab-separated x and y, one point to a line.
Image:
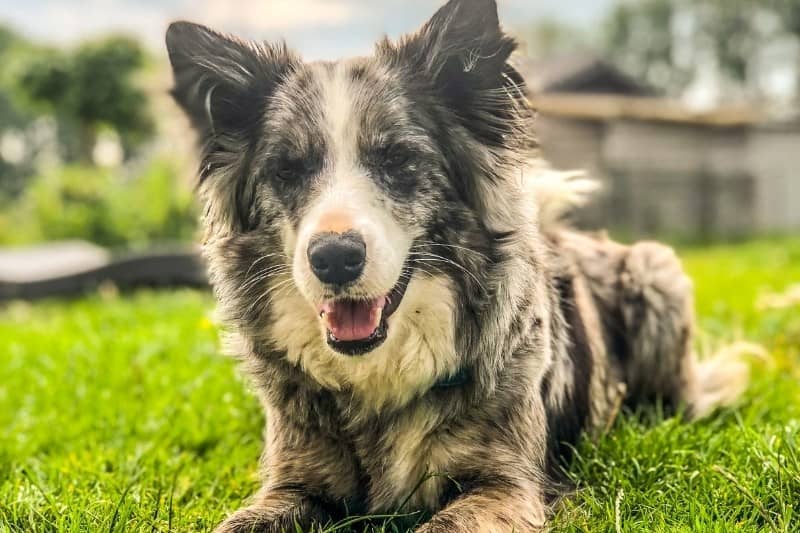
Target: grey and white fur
500	337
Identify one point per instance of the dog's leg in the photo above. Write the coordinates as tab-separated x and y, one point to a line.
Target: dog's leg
491	510
657	311
275	511
657	308
644	300
305	474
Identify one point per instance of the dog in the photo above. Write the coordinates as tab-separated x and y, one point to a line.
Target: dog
389	257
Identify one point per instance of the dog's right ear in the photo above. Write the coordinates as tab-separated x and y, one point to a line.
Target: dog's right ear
464	52
222	83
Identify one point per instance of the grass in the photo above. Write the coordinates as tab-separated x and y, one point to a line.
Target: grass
119	414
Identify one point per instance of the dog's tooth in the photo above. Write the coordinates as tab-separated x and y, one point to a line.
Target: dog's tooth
325	317
378	315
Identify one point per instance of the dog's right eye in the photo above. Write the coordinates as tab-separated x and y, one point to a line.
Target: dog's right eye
289	170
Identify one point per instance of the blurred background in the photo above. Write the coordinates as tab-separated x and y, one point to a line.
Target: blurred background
687	110
117	412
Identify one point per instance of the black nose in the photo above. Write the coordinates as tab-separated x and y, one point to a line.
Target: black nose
337	258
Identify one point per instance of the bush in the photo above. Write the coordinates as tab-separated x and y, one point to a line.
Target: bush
103	206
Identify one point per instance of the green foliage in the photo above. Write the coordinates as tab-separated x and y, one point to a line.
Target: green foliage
639	36
645	36
119	414
99	205
13	116
548	38
90	88
7	38
69	94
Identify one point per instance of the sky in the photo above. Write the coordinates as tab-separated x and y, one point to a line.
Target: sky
319	29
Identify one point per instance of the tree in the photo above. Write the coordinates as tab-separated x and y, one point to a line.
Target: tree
14	120
639	37
7	38
89	89
668	42
548	37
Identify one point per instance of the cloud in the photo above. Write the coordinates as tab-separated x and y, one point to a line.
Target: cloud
317	28
277	15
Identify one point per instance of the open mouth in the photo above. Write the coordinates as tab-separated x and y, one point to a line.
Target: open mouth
355	327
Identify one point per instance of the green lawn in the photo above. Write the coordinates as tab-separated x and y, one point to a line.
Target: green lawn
119	414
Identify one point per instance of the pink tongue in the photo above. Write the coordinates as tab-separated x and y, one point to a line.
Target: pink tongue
353	320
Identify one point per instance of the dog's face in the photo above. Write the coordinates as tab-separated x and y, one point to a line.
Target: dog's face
349	183
355	175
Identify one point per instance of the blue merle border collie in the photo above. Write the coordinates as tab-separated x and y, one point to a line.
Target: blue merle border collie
385	247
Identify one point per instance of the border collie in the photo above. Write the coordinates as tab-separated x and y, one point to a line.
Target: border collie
385	247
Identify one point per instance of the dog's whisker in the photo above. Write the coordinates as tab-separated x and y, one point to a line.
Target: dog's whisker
254	263
283	291
421	244
262	258
266	294
264	275
428	256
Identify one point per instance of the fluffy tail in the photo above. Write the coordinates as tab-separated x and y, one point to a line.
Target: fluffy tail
720	380
557	193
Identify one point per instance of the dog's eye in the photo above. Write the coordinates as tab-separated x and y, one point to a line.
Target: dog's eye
289	169
395	156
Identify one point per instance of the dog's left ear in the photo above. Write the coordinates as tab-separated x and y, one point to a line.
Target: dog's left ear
221	82
224	85
465	53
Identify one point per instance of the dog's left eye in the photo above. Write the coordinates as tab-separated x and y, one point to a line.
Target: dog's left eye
395	157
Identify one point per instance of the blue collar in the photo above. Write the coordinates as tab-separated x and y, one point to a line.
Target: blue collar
456	380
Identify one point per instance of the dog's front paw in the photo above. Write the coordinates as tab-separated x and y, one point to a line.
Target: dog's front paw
436	528
247	520
261	520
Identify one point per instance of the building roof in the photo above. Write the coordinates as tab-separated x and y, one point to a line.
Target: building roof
579	73
609	107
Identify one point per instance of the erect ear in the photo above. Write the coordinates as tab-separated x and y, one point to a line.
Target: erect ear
465	52
222	83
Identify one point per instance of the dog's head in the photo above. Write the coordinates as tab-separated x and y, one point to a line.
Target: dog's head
347	188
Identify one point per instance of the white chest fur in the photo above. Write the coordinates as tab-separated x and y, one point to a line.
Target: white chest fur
419	351
415	464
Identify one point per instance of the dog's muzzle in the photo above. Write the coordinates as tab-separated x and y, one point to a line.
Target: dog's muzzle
354	326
